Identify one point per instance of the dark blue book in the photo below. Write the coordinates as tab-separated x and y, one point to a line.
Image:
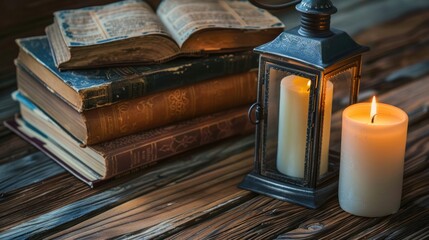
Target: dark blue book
93	88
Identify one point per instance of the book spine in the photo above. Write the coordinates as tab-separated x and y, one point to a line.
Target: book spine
170	106
138	84
168	144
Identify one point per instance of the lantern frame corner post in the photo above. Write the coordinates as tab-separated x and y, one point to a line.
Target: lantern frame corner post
265	179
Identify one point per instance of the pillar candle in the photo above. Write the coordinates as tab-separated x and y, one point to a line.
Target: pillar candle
372	160
293	119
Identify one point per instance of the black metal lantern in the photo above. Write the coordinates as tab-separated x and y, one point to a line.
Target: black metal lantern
303	74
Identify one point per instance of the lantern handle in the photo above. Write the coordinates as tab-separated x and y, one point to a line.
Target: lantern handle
269	5
257	109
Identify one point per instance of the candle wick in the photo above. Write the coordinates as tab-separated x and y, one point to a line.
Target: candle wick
373	118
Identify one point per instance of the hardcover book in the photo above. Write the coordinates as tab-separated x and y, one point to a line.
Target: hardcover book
144	113
129	32
96	163
88	89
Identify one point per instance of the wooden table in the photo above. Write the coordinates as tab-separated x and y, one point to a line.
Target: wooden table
195	195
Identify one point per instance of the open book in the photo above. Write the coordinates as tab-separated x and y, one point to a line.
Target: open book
130	32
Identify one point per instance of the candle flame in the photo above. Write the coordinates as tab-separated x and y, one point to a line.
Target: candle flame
308	85
373	109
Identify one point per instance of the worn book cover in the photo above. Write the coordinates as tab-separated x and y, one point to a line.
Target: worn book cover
144	113
89	89
102	161
129	31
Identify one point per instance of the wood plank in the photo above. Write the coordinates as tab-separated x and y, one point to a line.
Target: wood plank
394	45
259	218
412	217
13	147
356	16
163	211
27	203
67	201
400	76
31	169
7	80
391	62
8	107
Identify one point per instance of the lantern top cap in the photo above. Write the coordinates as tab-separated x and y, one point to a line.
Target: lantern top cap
313	43
317	52
316	7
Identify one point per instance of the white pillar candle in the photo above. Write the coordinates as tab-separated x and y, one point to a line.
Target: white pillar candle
293	119
372	160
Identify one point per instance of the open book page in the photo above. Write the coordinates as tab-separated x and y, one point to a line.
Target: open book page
185	17
102	24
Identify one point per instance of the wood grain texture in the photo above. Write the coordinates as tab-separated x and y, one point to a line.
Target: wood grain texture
258	218
68	202
8	107
393	46
173	207
40	198
393	60
8	81
22	172
356	16
12	146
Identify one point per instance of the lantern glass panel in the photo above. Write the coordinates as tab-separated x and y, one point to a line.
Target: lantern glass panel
287	100
337	97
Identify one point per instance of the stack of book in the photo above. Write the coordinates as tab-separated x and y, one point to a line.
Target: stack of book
118	87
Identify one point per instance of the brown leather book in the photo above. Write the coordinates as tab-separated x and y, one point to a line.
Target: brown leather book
102	161
135	115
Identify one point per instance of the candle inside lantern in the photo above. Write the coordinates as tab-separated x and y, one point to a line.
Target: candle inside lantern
372	159
293	119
